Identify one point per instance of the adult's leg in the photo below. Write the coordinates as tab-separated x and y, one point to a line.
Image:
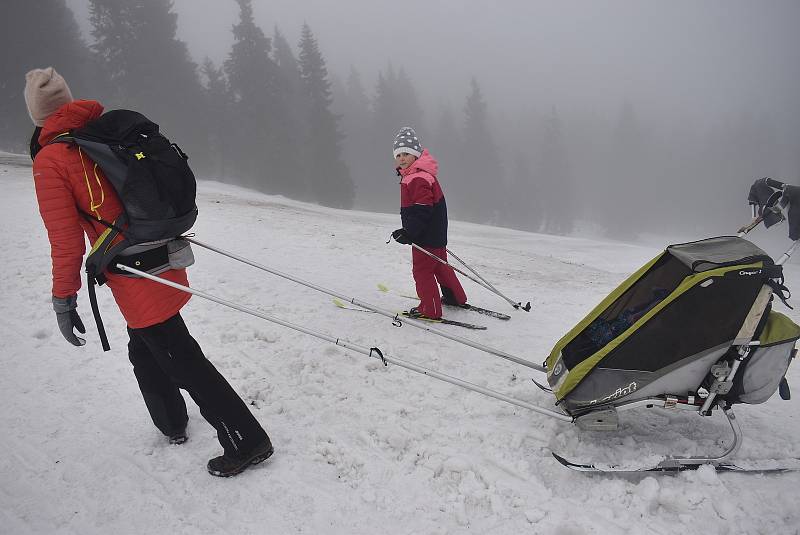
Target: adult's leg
180	356
161	396
424	269
452	290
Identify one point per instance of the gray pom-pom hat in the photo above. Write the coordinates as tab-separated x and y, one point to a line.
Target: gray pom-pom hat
407	141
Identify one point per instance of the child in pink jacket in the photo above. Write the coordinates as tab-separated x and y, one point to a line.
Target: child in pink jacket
423	212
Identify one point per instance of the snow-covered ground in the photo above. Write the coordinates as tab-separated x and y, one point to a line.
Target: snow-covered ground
360	448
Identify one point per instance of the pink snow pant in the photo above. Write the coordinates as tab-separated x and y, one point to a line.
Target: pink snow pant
427	272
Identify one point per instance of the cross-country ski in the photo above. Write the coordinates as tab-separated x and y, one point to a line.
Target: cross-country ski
444	321
486	312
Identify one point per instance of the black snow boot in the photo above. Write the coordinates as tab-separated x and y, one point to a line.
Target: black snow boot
448	298
178	437
230	465
414	313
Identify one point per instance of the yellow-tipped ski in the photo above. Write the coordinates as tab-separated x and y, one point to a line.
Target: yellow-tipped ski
385	289
341	304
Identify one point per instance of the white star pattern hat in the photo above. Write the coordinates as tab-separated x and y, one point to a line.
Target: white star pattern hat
407	141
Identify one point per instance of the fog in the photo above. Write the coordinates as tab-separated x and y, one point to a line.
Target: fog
693	58
617	111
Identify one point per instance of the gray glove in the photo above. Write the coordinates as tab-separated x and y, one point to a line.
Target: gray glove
68	318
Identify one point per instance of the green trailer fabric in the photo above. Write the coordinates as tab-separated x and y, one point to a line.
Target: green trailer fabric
687	300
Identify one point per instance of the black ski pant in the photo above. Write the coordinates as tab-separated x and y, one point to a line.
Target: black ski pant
165	358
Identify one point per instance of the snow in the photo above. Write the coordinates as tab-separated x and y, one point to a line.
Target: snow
360	448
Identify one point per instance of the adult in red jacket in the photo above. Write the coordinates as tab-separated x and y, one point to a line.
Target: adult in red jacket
423	212
73	195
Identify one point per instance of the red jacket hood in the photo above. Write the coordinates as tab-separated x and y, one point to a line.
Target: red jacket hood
72	115
426	162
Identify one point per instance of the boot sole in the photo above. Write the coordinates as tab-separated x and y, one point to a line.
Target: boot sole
256	459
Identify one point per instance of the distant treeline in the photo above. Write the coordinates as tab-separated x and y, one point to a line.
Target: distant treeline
272	118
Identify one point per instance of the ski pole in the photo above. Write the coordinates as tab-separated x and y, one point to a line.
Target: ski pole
526	308
788	254
438	259
370	352
393	315
479	283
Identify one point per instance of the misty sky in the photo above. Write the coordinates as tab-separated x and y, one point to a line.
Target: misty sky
669	58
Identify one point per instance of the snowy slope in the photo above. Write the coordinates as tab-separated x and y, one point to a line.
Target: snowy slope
360	448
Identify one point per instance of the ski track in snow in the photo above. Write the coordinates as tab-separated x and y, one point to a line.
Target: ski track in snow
360	448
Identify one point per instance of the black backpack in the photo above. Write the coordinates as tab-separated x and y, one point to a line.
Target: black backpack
152	178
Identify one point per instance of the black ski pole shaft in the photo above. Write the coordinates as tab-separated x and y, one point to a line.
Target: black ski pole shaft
370	352
390	314
526	308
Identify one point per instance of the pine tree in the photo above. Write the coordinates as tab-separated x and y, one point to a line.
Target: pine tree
330	177
447	138
291	119
288	67
526	207
407	102
382	189
253	80
356	94
395	105
555	179
387	116
353	104
446	145
477	189
38	35
628	177
218	107
136	43
112	35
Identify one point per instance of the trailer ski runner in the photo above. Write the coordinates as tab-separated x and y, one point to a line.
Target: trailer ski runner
692	330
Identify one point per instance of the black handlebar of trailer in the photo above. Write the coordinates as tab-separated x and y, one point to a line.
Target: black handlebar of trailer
774	204
774	183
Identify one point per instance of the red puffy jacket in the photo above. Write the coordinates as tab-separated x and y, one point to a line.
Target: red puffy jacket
66	181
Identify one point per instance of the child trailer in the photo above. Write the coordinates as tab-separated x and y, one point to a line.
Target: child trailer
693	329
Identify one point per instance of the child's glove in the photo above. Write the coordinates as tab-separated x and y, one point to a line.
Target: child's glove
400	236
68	318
